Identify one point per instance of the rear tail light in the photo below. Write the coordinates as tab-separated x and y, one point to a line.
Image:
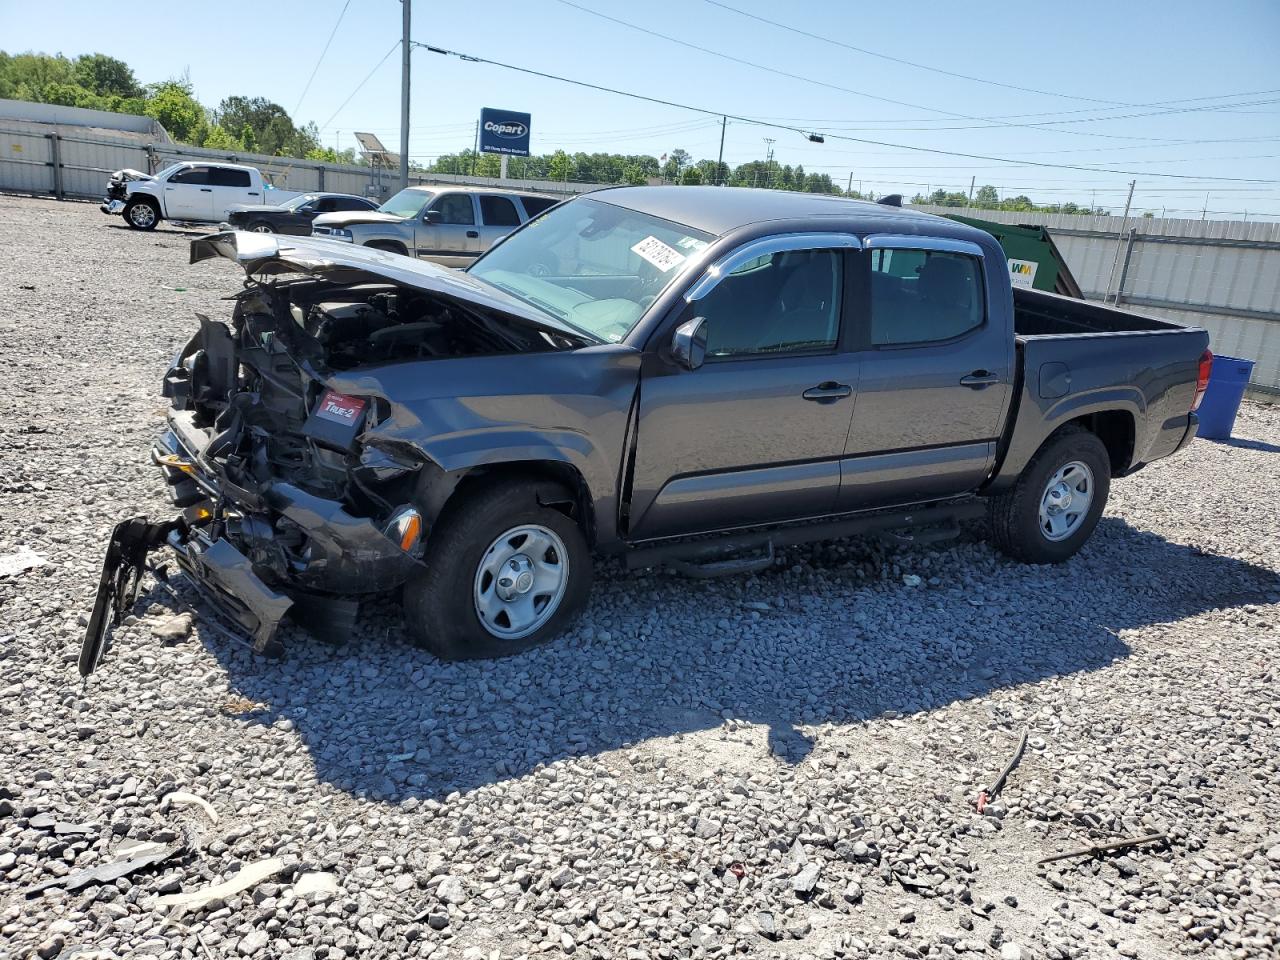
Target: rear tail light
1202	379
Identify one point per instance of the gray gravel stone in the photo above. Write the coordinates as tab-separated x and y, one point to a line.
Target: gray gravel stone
671	769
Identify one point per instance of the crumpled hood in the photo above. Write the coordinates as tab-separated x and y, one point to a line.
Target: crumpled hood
127	174
264	254
355	216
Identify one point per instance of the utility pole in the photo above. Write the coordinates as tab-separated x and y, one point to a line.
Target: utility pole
724	122
1124	222
768	161
475	150
405	47
1205	211
972	181
849	188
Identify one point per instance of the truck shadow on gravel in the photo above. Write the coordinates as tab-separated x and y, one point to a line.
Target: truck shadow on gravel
833	635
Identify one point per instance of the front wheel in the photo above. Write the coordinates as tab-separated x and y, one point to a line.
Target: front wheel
502	573
142	215
1052	509
261	226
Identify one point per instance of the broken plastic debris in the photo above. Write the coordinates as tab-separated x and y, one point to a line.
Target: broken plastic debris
316	885
136	858
24	559
180	798
250	876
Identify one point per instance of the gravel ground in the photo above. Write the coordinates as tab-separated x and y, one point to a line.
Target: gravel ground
778	765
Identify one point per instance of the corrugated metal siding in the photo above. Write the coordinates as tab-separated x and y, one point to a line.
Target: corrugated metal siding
1222	275
25	161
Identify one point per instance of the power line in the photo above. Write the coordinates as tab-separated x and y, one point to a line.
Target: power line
320	59
950	73
985	122
909	63
360	85
528	71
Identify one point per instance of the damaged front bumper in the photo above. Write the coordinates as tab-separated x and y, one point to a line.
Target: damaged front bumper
112	207
254	555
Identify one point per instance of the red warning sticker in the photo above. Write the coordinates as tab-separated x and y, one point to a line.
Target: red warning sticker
339	408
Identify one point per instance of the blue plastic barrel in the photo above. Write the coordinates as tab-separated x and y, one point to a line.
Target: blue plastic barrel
1227	380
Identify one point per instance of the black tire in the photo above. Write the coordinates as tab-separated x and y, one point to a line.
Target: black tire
390	246
261	226
440	606
135	214
1015	515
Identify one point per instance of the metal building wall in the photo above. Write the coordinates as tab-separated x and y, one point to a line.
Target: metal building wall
1222	275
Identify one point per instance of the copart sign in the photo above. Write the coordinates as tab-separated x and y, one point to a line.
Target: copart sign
502	131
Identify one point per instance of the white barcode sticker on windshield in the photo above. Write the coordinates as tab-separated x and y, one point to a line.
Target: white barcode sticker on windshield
658	253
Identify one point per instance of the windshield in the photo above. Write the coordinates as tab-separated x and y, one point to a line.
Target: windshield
592	264
407	203
296	202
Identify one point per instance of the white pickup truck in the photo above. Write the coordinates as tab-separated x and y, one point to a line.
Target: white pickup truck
190	191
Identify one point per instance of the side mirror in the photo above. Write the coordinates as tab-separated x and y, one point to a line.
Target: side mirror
689	343
433	216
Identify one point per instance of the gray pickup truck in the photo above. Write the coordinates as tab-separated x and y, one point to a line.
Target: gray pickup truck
701	375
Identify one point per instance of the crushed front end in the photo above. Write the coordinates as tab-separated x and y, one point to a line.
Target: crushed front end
291	500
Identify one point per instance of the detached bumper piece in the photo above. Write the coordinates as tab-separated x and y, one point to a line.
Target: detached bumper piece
126	559
111	206
221	573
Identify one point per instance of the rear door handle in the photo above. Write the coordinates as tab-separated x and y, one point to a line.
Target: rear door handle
206	189
979	379
828	392
473	234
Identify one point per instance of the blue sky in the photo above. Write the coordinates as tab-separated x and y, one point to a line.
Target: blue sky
1077	54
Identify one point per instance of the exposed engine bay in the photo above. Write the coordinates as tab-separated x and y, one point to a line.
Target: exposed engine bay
258	390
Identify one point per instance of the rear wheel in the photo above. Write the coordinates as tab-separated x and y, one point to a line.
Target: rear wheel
261	226
1051	511
142	214
502	573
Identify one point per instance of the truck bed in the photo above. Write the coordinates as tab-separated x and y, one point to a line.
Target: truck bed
1037	314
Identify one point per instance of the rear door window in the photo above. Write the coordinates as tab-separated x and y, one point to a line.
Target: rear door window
222	177
924	296
498	211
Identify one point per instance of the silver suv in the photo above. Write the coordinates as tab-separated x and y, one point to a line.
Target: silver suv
449	225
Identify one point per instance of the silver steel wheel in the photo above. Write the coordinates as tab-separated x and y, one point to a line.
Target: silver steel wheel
261	228
520	581
142	215
1066	500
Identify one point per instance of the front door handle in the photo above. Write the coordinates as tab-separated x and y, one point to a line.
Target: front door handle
828	392
206	189
473	234
979	379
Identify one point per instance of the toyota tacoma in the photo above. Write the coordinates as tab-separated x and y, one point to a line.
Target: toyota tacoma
703	374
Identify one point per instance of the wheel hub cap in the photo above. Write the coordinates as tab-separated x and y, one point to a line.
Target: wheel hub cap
1066	500
516	578
520	581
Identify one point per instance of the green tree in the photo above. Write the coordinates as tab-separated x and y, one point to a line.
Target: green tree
217	138
172	104
106	76
559	166
987	196
248	138
691	177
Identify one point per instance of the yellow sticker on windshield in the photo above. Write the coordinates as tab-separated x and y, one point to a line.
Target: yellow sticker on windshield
658	253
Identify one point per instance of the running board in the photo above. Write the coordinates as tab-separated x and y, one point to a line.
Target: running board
707	558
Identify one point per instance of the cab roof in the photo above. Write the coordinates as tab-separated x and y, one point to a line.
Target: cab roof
720	210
